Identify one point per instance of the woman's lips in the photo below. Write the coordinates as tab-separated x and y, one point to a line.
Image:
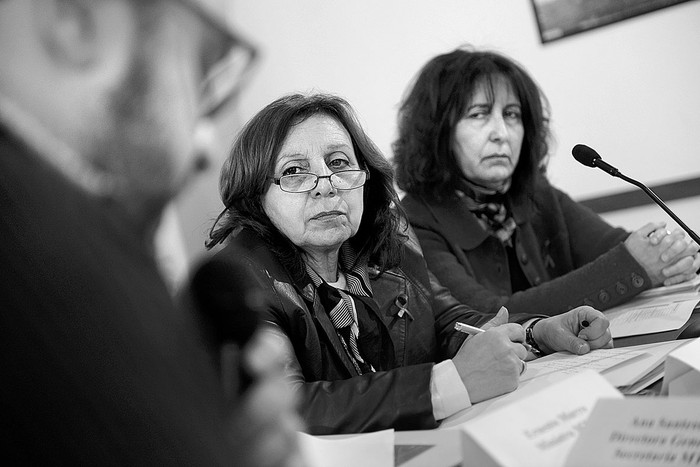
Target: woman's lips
327	215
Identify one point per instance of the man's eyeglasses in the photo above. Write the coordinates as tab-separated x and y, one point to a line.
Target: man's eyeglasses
228	76
300	183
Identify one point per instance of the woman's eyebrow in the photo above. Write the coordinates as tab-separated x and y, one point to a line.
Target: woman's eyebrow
478	105
292	155
336	146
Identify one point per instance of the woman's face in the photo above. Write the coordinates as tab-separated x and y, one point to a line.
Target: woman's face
320	220
488	138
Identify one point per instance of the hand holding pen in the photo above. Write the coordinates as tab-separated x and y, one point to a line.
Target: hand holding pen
490	362
473	330
577	331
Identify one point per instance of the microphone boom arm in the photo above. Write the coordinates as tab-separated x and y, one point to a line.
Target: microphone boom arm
658	201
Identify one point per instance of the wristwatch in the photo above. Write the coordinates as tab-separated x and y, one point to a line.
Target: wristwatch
530	339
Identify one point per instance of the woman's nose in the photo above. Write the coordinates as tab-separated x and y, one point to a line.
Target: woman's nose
499	130
324	186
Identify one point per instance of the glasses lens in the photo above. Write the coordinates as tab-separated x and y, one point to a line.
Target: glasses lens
296	183
349	179
226	78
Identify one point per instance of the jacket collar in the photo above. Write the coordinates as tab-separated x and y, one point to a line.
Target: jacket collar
461	227
355	269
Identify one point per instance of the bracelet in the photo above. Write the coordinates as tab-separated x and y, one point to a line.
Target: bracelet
530	339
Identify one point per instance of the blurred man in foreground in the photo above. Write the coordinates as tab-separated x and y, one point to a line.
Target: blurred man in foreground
101	102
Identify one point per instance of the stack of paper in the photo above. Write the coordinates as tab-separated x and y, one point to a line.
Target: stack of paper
630	369
683	373
651	313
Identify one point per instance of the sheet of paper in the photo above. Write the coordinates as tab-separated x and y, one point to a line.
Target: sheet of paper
651	315
367	450
644	382
651	356
538	430
640	431
680	365
566	363
641	360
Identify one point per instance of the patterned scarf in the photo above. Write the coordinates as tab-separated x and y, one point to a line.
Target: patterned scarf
341	304
489	207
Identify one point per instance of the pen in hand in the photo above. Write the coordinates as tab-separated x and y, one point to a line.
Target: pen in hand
584	324
467	329
473	330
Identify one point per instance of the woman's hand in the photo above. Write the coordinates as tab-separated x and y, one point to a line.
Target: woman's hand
577	331
490	363
667	257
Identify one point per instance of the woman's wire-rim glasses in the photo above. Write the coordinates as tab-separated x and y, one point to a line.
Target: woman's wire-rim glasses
305	182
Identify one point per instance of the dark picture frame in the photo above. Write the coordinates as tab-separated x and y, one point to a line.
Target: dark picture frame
561	18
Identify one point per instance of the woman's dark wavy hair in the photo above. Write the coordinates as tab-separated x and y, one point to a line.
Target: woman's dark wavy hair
245	179
423	157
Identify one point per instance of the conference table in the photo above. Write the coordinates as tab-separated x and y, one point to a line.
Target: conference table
442	447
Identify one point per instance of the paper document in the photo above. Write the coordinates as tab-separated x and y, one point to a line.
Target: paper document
683	371
366	450
631	369
651	315
651	356
570	364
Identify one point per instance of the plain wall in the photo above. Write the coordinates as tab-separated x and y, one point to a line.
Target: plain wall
629	90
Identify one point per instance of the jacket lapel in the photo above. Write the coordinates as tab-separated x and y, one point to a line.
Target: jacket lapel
462	228
458	224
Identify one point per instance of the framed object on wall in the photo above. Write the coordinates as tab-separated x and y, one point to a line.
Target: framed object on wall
561	18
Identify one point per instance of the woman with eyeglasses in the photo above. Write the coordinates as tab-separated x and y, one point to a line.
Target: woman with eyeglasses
312	213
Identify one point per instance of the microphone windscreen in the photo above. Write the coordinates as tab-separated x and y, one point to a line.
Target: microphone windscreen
585	155
226	297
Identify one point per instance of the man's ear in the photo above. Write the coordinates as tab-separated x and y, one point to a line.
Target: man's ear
67	31
78	33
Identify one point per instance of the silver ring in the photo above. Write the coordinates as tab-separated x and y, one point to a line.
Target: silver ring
524	368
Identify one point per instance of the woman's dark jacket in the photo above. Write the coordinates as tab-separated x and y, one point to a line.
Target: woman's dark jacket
569	255
334	398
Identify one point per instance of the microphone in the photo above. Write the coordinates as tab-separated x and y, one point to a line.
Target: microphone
227	300
589	157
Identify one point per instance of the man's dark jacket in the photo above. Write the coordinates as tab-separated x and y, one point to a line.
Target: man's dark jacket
99	367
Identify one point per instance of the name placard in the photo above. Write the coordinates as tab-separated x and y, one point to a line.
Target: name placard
640	431
682	371
537	430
